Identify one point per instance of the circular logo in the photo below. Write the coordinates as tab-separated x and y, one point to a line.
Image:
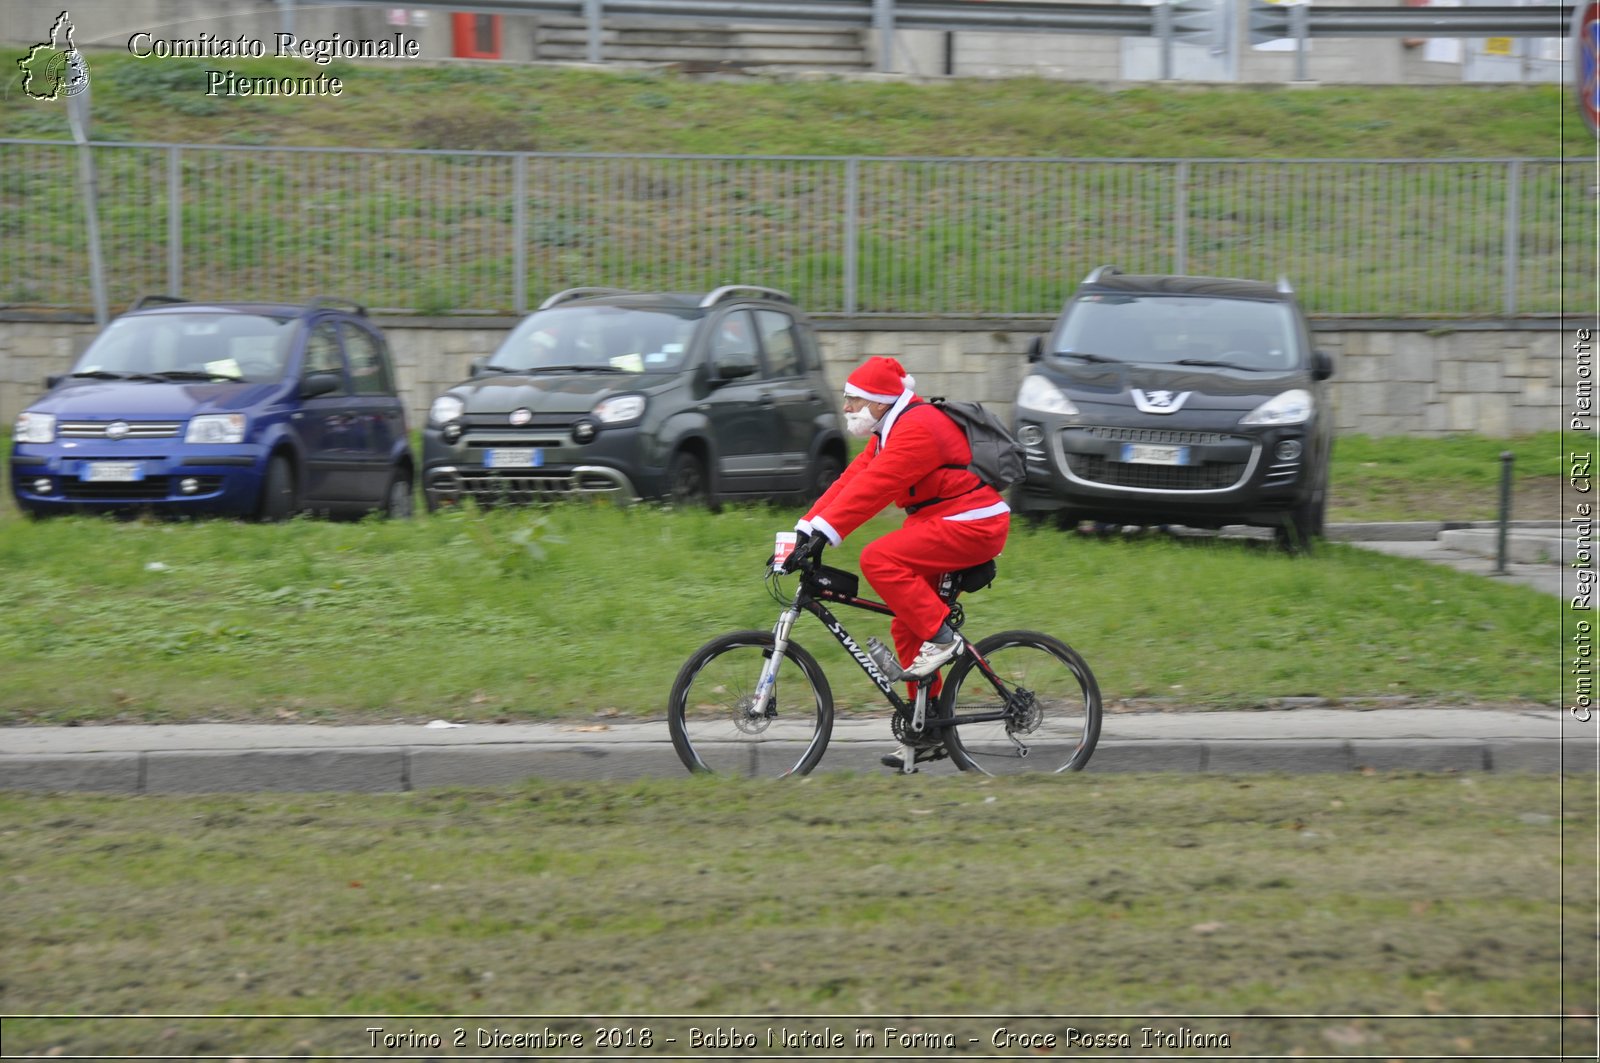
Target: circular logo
117	430
521	416
67	74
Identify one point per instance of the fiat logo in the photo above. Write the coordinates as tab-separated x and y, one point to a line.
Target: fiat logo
521	416
116	429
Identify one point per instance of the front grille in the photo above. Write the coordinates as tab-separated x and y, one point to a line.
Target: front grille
136	429
1211	476
491	487
1158	435
154	489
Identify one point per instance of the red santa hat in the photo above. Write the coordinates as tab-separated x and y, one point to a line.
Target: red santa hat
879	379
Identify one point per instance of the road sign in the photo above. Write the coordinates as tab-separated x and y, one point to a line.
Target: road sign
1586	71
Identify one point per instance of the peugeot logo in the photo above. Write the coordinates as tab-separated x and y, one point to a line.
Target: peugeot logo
521	416
116	430
1159	401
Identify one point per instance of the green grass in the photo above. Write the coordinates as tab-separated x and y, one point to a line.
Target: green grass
453	616
1398	478
1388	911
527	108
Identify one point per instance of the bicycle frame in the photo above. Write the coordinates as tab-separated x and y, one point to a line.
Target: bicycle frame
810	599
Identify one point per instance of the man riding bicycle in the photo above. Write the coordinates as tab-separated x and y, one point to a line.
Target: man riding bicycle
916	457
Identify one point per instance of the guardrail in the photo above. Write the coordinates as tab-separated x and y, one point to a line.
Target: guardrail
494	232
1171	21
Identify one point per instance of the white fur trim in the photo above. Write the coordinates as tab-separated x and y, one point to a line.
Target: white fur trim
818	524
855	392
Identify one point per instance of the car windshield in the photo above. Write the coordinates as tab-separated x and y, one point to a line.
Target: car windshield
600	338
197	346
1180	330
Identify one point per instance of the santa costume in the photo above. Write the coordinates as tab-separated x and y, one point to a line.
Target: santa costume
916	458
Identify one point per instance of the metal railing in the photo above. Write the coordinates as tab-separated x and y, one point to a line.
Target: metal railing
1188	21
493	232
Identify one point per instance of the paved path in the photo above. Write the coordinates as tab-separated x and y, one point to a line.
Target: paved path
219	758
1315	737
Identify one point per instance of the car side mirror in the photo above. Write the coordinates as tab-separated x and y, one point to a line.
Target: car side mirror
53	379
733	367
1035	348
319	384
1321	365
475	367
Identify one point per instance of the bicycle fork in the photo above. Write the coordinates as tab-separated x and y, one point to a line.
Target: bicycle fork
767	686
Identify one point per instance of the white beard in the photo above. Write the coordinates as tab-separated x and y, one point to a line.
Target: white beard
860	423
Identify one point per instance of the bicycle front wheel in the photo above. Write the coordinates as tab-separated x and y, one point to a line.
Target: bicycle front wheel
1035	707
716	727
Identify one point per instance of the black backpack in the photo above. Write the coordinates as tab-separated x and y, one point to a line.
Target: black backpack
997	458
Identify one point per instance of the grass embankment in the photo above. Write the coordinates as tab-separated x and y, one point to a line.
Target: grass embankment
578	611
529	108
1388	912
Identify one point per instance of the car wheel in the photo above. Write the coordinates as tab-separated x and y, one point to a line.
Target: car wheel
823	474
1304	524
687	482
400	502
277	494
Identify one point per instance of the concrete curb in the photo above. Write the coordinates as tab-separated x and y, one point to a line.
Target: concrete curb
387	759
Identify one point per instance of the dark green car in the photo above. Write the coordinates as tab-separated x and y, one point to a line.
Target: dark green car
601	392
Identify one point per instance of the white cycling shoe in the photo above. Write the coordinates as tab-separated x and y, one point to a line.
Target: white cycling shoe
934	656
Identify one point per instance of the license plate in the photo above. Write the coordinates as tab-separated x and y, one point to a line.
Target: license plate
1151	454
513	458
113	472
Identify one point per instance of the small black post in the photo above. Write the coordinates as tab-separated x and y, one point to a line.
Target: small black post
1506	458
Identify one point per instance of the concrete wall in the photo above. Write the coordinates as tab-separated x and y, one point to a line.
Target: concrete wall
1393	378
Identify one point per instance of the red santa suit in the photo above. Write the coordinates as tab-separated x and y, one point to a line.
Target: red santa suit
915	458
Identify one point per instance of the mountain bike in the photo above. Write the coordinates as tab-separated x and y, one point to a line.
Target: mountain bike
756	703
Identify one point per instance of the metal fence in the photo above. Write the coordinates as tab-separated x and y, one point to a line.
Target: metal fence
493	232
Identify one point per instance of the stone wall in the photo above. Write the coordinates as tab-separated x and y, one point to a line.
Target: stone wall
1393	378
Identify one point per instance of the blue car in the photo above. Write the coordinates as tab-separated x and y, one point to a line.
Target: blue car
257	410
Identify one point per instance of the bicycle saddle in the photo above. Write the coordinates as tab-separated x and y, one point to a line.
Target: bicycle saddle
975	578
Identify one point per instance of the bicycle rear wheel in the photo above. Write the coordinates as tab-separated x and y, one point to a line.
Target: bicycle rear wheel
1038	711
711	710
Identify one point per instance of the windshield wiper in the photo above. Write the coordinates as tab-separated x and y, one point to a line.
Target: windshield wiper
106	374
575	369
1087	356
1218	365
192	374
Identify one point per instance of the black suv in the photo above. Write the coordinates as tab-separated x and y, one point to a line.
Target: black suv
1196	401
603	392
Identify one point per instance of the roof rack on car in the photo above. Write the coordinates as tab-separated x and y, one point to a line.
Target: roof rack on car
579	293
154	300
333	300
1102	271
716	295
1284	286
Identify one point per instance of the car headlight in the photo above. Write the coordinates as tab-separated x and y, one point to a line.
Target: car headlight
445	408
1040	395
35	428
619	409
1291	407
216	428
